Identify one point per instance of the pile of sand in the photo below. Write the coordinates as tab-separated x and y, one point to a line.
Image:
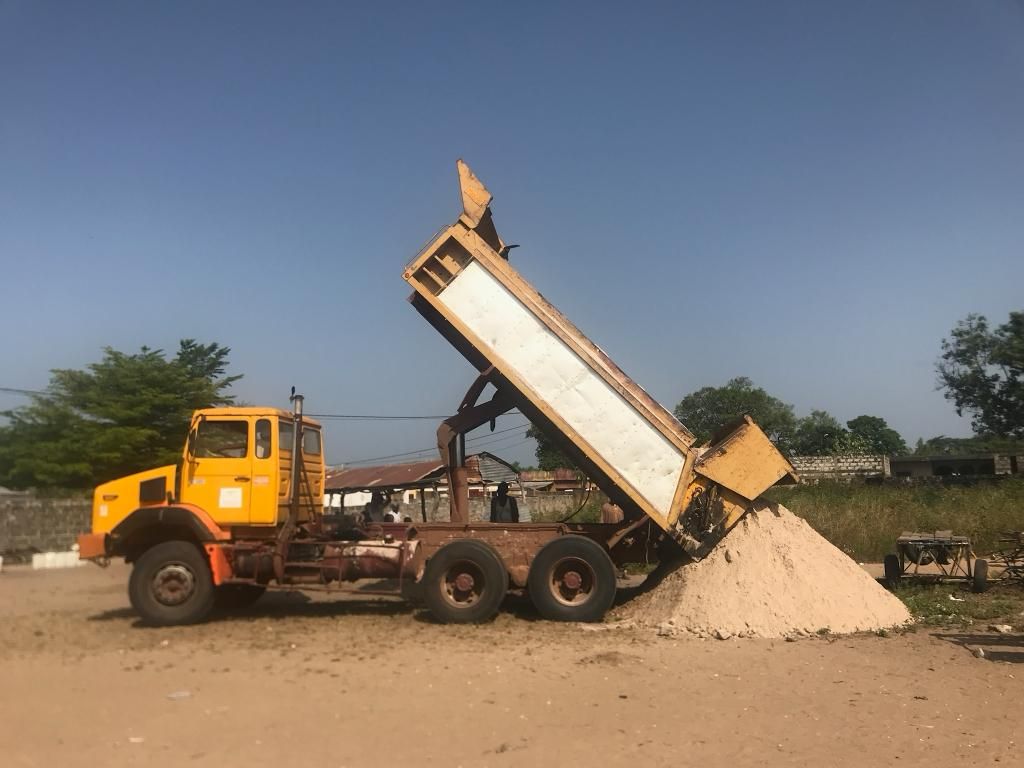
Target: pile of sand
772	576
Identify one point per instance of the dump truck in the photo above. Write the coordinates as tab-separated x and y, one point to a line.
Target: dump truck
242	510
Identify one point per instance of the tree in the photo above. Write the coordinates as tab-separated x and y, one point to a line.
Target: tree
878	437
121	415
982	372
819	434
707	409
549	456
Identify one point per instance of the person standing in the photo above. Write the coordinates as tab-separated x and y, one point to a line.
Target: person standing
504	508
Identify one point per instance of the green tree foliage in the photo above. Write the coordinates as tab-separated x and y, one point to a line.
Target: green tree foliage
121	415
982	372
707	409
877	435
819	434
548	454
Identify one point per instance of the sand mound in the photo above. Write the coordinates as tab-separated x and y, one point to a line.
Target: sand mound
772	576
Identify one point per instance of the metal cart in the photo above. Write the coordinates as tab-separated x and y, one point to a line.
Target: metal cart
1010	556
952	558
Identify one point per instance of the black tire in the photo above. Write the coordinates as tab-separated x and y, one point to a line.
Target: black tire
464	583
979	582
893	571
572	578
919	556
236	597
171	584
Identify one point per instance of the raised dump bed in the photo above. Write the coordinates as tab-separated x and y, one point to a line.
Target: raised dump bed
541	363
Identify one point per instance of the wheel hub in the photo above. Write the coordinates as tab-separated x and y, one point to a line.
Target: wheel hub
464	582
572	580
173	584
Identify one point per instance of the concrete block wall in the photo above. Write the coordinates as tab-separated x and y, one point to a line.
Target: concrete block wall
31	524
538	507
842	466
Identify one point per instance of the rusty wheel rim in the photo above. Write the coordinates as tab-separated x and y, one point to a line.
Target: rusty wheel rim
463	584
173	584
572	581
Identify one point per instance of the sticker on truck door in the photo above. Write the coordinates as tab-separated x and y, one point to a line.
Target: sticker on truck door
230	498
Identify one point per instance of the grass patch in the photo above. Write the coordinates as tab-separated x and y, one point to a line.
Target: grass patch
950	605
864	520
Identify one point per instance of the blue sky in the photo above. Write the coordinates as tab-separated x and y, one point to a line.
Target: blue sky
809	194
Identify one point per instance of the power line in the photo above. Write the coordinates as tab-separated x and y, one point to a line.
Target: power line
434	449
370	417
16	391
377	417
347	416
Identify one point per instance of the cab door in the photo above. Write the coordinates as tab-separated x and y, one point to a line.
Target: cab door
220	472
263	500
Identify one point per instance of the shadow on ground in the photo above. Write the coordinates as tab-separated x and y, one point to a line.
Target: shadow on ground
997	647
290	604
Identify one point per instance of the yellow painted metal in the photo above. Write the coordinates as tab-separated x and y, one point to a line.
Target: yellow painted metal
249	489
744	460
112	502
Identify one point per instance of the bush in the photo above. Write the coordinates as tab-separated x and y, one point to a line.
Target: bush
864	520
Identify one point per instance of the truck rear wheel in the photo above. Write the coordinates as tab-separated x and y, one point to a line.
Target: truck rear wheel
171	584
464	583
572	579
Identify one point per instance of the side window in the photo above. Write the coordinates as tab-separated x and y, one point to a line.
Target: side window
263	439
222	440
311	441
285	433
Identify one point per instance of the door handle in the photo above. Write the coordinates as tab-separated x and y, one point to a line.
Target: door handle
241	479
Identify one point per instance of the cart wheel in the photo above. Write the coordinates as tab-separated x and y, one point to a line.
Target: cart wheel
920	556
893	570
980	583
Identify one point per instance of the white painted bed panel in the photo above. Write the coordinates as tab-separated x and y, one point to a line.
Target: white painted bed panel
559	377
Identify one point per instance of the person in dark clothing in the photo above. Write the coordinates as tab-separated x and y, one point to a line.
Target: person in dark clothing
504	508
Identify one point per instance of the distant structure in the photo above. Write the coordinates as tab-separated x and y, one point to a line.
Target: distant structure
553	480
868	467
977	465
352	488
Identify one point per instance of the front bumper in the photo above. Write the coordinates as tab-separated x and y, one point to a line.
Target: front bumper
92	546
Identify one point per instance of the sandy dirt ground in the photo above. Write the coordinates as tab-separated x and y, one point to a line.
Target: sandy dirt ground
371	682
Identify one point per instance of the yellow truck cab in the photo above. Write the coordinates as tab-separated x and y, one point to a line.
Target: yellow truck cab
235	471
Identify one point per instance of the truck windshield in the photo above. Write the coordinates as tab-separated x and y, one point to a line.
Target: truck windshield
222	440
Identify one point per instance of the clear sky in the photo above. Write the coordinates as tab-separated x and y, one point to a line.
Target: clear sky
809	194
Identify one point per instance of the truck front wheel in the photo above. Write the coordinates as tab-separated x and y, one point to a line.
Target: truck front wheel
464	583
572	579
171	584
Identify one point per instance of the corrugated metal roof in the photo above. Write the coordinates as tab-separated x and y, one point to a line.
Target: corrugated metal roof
488	468
483	468
384	476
